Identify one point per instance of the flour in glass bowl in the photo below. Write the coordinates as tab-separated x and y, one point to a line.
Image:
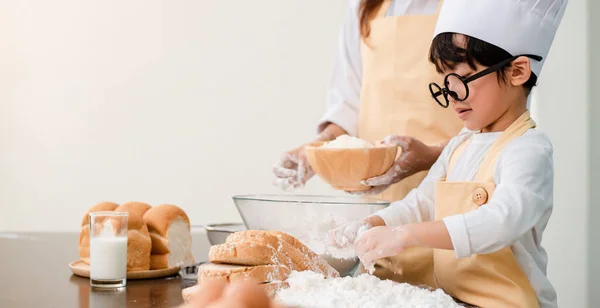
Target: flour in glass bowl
312	290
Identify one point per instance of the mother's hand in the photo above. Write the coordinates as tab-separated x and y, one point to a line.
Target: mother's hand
416	156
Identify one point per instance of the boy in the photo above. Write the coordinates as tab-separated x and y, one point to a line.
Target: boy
485	203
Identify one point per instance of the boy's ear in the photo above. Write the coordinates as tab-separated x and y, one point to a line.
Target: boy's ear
520	71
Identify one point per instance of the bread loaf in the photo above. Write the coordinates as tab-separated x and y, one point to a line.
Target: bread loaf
234	273
297	261
266	257
84	234
328	270
301	257
168	245
159	261
139	244
249	254
273	287
171	236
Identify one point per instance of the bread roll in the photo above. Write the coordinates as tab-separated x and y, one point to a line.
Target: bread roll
171	236
139	208
84	234
159	261
139	244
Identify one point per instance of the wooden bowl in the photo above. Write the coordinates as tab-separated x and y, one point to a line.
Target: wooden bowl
344	169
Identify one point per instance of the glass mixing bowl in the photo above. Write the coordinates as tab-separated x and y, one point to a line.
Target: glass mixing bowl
309	218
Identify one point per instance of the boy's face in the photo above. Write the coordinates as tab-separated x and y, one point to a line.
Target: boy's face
490	99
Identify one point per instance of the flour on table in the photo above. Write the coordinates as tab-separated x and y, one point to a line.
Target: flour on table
312	290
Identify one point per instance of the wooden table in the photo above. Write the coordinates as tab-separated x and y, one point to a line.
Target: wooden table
34	272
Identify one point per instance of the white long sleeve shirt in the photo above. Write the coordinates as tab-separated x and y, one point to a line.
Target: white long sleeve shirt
515	216
343	96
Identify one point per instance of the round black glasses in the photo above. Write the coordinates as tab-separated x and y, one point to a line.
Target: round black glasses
456	86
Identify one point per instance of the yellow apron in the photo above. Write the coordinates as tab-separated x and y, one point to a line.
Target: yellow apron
395	100
485	280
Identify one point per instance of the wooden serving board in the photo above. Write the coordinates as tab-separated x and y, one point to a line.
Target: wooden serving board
82	269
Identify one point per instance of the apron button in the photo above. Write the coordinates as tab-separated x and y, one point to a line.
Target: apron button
480	196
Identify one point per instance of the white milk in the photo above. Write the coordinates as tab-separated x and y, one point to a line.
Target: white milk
108	257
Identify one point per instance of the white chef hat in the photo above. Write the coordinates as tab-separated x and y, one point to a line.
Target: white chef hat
517	26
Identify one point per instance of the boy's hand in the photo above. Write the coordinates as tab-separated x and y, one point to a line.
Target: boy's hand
382	242
345	235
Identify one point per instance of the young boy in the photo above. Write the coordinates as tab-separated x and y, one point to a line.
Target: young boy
485	203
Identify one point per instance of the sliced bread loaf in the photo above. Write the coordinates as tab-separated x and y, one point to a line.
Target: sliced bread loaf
249	254
302	257
171	236
233	273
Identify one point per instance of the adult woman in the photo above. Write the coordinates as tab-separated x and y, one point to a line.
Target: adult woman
378	92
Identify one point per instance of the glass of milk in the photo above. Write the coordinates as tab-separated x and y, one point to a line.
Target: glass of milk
108	249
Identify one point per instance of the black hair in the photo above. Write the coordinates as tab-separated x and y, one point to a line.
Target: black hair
445	54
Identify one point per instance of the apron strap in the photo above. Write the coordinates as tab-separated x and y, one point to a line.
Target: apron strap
516	129
456	155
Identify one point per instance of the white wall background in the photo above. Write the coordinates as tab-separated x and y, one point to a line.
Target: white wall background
594	217
189	102
185	102
562	110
